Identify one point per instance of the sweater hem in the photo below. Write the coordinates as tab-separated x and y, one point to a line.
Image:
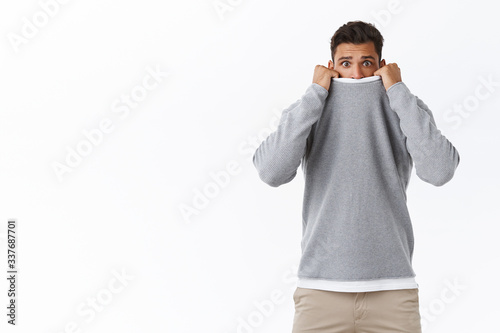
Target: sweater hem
358	286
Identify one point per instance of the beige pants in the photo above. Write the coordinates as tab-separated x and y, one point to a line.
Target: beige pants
386	311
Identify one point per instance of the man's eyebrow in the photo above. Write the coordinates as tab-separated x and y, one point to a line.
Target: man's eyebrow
350	57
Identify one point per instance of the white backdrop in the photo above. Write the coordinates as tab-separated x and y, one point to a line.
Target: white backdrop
126	135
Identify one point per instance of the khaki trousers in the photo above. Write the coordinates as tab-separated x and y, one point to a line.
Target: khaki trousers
385	311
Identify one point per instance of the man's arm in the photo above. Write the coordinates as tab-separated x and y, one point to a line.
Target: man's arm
435	158
279	155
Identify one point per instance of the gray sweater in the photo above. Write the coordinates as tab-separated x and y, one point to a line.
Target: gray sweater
357	144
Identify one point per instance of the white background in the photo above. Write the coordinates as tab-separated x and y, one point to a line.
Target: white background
230	73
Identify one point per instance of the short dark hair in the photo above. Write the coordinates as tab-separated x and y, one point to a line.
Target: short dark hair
357	32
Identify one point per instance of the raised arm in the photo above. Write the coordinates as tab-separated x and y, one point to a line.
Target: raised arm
435	158
279	155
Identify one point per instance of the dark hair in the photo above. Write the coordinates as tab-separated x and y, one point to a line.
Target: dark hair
357	32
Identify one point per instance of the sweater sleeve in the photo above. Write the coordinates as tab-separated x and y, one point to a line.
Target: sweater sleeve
435	158
278	157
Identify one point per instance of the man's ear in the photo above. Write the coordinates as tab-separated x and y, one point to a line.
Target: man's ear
382	63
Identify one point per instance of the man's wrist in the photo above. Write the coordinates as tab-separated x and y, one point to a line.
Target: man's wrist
390	85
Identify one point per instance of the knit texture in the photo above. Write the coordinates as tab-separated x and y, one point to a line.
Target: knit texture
357	144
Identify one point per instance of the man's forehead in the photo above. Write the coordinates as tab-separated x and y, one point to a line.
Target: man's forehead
349	47
360	51
368	45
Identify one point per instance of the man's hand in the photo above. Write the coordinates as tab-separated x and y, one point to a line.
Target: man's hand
323	75
390	74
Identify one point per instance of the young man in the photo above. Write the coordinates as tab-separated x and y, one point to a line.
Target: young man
357	131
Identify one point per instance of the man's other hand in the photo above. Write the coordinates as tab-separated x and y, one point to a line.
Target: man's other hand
323	75
390	74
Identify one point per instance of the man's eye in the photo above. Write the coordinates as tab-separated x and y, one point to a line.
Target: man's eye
344	63
367	61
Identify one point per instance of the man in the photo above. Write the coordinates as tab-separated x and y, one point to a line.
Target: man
357	131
